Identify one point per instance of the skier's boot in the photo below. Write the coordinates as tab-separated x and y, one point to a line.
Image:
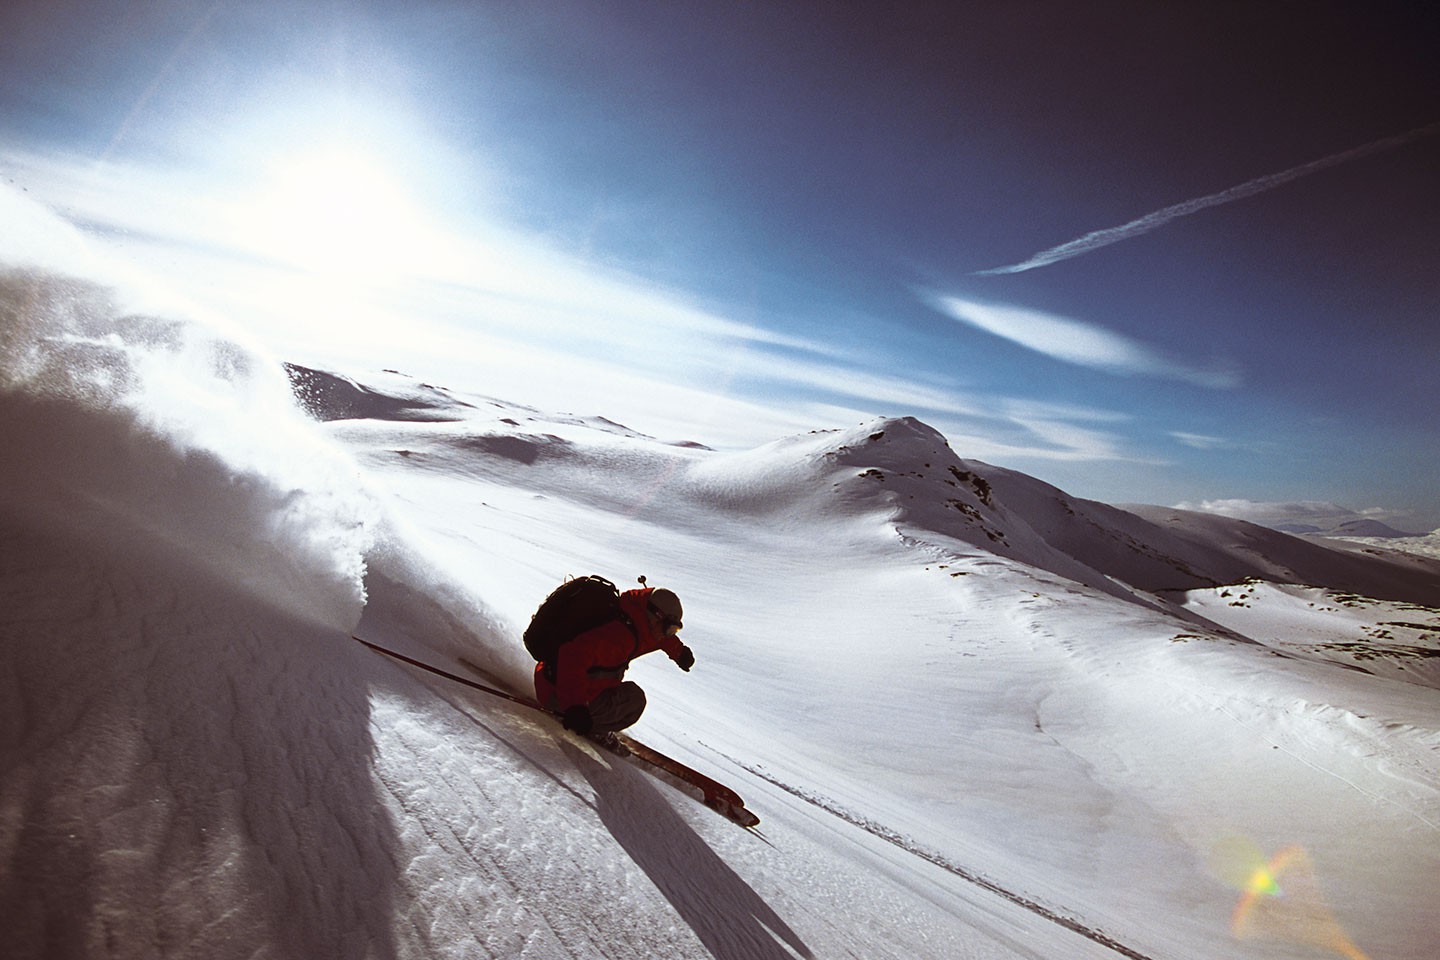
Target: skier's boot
609	741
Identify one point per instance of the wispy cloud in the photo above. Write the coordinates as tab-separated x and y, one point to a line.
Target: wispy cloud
508	315
1077	342
1152	221
1201	441
474	273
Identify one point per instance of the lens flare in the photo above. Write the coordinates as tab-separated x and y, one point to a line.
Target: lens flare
1280	898
1262	881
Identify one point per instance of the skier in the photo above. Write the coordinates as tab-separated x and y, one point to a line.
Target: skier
589	690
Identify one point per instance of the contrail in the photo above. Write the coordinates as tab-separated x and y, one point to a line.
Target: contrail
1152	221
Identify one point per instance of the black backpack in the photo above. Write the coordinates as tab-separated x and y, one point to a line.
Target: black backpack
572	608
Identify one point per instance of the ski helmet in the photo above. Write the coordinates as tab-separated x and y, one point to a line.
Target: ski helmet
667	607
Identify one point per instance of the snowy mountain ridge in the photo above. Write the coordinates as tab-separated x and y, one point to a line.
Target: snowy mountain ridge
906	468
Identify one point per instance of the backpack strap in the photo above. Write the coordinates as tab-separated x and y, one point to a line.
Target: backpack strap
619	669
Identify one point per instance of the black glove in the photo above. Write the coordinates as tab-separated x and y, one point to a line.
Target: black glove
685	659
578	718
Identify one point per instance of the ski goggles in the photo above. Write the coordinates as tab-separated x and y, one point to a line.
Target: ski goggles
669	625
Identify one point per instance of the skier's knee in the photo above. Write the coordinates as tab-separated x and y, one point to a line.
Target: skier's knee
618	707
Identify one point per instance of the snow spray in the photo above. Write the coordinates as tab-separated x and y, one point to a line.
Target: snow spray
128	421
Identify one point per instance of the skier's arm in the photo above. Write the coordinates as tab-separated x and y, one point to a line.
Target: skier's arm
676	650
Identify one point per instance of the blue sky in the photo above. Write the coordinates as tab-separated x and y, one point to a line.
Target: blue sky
1149	251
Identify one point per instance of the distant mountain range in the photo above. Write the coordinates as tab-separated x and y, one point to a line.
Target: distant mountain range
1347	528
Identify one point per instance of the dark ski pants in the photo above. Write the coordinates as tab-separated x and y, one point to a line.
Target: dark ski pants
617	707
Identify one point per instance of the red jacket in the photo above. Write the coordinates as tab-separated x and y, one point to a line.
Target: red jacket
597	659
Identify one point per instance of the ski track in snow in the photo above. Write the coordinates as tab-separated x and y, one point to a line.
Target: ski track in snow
909	845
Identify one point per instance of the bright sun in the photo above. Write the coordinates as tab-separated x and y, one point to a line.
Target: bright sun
337	211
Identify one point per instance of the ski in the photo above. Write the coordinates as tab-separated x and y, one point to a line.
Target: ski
715	794
712	793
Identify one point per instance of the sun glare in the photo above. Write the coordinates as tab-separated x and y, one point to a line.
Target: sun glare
337	211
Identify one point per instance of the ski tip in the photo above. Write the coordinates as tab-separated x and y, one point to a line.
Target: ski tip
736	812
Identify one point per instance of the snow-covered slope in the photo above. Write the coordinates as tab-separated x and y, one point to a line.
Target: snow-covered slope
866	589
971	722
